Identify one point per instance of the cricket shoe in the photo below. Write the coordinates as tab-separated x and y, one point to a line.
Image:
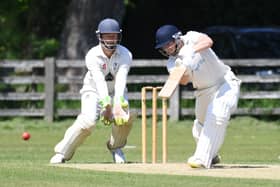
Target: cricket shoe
195	163
118	156
217	159
57	159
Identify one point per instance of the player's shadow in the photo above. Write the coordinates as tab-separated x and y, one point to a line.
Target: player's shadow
90	162
238	166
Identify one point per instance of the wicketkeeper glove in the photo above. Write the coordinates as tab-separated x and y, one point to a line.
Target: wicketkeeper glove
121	119
106	116
123	102
120	111
106	121
105	102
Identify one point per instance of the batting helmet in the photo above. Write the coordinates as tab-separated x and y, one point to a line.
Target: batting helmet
165	34
106	26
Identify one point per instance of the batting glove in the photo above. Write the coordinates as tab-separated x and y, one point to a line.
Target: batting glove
186	57
187	52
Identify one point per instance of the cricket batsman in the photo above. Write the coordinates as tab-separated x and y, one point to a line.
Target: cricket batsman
103	95
217	88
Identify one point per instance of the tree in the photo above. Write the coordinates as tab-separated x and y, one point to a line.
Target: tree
83	16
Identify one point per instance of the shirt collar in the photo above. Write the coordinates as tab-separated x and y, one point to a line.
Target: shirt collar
101	53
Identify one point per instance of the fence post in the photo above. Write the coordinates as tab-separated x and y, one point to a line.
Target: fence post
174	105
49	88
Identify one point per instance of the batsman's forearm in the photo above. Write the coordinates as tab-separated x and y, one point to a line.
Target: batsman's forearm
204	42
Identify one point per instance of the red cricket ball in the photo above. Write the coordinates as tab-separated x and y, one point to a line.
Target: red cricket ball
25	136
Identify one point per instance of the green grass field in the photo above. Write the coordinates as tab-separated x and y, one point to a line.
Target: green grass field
25	163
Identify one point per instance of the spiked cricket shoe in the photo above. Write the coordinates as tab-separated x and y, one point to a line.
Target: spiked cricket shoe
217	159
118	156
57	159
195	163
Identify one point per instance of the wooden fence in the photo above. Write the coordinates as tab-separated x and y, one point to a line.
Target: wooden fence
42	78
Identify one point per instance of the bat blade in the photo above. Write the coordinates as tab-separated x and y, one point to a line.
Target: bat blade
172	82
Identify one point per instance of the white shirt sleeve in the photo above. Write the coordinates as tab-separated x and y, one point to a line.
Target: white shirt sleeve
94	68
192	36
121	77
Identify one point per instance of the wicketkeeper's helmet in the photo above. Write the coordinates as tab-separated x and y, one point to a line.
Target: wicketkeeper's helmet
109	25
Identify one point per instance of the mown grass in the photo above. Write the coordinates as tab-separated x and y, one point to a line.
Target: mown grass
25	163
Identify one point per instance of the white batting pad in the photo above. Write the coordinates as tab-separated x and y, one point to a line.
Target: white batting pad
196	130
210	141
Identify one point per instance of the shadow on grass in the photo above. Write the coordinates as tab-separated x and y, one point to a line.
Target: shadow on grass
238	166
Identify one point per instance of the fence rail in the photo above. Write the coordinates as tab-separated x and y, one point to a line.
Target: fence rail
51	72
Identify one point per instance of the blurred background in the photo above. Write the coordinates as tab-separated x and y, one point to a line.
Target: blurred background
65	29
246	36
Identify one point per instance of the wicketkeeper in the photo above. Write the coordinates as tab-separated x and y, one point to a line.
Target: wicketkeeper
217	88
103	95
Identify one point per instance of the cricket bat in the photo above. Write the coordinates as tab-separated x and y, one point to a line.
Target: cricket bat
172	82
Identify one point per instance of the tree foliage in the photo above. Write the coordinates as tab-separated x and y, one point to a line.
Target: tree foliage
30	28
78	34
33	29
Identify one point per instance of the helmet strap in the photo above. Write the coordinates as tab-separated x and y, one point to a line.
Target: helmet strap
177	46
163	52
109	46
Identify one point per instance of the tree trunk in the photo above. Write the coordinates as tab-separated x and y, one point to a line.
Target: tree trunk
82	20
78	35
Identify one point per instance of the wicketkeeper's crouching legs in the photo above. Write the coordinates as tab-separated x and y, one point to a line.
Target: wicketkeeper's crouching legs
74	136
118	139
85	123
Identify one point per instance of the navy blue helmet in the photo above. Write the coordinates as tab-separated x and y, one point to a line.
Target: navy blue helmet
165	34
106	26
